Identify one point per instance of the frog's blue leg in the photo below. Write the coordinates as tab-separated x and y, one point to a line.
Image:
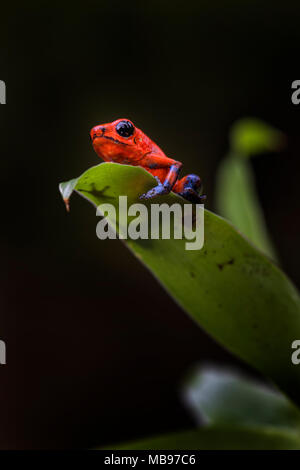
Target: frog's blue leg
166	186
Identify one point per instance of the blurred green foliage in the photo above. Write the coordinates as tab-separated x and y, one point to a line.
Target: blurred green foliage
234	413
236	195
249	137
219	438
223	398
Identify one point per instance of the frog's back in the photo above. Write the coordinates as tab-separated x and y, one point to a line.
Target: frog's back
146	145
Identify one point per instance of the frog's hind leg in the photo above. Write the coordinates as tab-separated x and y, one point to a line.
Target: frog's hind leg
189	188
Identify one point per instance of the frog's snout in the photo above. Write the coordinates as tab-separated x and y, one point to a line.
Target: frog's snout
97	131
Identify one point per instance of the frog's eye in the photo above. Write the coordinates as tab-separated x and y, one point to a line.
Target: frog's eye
125	128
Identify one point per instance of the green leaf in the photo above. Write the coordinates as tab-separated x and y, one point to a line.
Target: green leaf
250	136
218	438
236	195
223	398
237	201
229	288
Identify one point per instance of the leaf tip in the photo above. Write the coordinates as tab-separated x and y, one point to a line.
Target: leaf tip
67	204
66	189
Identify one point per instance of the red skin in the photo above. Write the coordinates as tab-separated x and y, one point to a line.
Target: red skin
139	150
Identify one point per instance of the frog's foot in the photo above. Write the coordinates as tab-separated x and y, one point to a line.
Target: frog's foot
193	196
158	190
189	187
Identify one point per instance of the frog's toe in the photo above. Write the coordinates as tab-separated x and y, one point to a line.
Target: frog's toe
156	191
147	195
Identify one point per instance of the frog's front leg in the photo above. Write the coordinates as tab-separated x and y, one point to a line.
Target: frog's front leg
157	163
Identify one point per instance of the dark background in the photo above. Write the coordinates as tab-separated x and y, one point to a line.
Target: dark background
96	350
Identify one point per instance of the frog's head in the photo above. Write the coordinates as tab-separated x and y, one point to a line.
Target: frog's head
115	139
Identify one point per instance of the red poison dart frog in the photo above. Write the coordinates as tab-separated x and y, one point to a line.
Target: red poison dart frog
121	142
